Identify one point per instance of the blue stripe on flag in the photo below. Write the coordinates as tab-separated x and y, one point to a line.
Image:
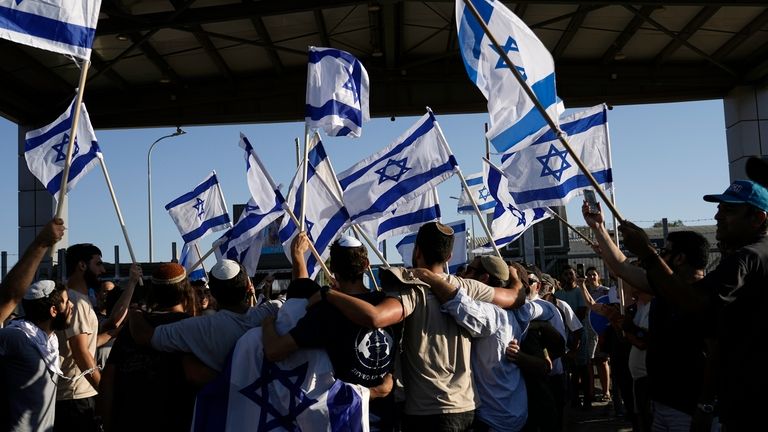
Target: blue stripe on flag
531	121
485	10
316	55
407	186
202	187
327	235
32	143
422	214
482	207
472	181
345	411
561	190
78	164
210	223
334	107
317	155
46	28
422	130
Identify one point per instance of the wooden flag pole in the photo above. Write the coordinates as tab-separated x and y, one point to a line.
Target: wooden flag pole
543	111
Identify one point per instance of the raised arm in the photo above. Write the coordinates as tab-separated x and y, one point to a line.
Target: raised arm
20	277
611	254
390	311
299	246
120	310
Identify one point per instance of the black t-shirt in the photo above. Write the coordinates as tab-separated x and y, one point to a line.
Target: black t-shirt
359	355
150	384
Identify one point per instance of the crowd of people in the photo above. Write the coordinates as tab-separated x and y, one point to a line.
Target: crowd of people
501	346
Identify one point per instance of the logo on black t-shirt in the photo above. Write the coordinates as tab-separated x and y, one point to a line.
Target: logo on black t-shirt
374	351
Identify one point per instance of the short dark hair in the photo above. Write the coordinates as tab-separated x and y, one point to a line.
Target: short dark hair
532	268
164	296
38	310
81	252
229	292
434	242
693	245
348	263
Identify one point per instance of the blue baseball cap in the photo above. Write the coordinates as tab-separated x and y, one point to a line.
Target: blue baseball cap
743	192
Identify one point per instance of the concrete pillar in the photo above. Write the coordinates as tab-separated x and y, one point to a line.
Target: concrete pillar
746	126
36	205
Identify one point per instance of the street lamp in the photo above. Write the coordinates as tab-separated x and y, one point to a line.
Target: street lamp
149	182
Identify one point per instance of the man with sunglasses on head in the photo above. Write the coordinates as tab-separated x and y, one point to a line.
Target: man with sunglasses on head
677	354
731	298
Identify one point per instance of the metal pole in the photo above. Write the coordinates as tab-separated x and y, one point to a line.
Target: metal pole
3	264
149	184
117	262
174	255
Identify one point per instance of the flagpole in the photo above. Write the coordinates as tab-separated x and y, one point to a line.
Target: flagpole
543	111
117	208
444	143
197	249
71	145
585	238
221	195
304	178
619	281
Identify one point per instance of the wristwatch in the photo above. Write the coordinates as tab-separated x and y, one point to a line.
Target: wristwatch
706	408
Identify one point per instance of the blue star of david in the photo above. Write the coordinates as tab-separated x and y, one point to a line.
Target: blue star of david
484	193
308	224
258	392
509	46
518	214
384	172
554	153
61	149
350	85
199	207
18	2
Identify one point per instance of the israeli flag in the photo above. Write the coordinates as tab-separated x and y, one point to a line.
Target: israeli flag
513	115
295	394
545	174
200	211
325	215
406	218
479	190
337	92
62	26
265	196
45	150
190	256
509	221
416	162
458	256
242	242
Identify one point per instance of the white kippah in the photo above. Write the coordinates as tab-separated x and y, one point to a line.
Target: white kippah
40	289
348	241
225	269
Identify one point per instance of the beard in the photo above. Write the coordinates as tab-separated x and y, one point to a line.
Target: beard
61	321
91	279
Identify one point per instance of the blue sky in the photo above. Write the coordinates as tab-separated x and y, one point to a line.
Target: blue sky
665	157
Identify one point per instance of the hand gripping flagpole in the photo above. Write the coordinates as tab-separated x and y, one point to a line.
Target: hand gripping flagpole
543	111
71	144
464	184
117	209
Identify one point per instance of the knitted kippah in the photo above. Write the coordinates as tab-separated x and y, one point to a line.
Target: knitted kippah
349	241
40	289
168	273
225	269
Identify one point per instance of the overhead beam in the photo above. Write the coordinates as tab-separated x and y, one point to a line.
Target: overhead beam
753	27
155	58
692	27
322	30
581	10
207	45
626	35
391	28
570	31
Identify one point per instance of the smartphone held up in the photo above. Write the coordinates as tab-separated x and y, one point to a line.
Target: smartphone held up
591	199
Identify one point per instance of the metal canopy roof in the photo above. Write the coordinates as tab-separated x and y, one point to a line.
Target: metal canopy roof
177	62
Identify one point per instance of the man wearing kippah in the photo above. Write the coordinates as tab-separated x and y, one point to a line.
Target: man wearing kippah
359	355
436	362
210	337
731	298
29	359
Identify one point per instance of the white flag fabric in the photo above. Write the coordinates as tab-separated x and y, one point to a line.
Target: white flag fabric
416	162
200	211
62	26
458	256
337	92
265	195
295	394
190	256
242	242
45	150
509	221
479	190
406	218
545	175
513	115
325	216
